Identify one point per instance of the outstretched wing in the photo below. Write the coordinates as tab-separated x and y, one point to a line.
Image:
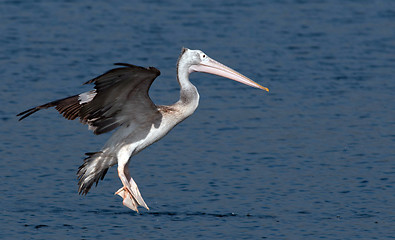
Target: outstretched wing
120	97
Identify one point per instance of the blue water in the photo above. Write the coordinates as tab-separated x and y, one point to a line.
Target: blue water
312	159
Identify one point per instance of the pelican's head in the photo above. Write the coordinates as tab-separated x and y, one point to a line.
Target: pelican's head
198	61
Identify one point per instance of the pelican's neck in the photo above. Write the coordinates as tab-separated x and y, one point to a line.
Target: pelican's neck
189	96
183	74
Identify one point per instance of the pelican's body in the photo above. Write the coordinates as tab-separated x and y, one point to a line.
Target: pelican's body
120	100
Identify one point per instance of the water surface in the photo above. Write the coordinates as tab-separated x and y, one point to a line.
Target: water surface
314	158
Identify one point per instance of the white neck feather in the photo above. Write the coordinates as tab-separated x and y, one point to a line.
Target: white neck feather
189	96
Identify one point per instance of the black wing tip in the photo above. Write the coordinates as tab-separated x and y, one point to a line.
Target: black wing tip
118	64
26	113
68	107
152	69
125	64
21	118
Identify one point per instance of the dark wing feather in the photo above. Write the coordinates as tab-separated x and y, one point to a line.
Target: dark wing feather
120	96
69	107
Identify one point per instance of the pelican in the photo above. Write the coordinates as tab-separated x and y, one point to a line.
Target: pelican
120	100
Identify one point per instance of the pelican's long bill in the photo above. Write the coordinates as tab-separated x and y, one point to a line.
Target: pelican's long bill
211	66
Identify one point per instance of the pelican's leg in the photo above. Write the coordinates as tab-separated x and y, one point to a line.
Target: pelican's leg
134	188
129	192
125	191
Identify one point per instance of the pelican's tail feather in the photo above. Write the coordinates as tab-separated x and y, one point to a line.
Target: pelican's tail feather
93	169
